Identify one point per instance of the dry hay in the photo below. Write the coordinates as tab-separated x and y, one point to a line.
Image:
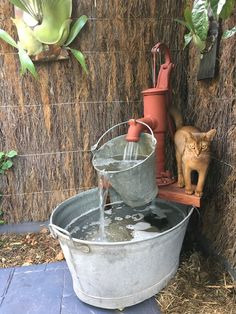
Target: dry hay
28	249
200	286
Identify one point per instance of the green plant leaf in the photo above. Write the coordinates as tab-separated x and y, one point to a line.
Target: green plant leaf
200	18
216	7
76	28
227	9
11	154
2	222
26	62
32	7
183	23
187	39
7	38
221	3
19	4
79	57
6	165
2	154
198	42
229	33
56	20
188	18
1	171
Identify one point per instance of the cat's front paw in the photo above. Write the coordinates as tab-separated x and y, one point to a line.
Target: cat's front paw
198	193
189	191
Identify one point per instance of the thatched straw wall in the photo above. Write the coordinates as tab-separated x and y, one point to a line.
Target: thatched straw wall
211	104
53	122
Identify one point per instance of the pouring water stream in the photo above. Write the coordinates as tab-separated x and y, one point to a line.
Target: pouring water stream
130	153
103	185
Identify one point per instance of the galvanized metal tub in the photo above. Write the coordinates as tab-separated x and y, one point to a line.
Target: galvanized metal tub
117	274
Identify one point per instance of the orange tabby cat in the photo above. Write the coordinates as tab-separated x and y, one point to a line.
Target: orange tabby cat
192	153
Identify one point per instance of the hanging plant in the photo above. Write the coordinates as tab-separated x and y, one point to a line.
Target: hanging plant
199	19
46	25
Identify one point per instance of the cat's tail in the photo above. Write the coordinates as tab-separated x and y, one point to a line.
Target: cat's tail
175	120
177	117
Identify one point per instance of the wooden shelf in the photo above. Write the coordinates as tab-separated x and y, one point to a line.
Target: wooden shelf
175	194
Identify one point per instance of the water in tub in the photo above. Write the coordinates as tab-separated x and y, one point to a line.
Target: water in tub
123	223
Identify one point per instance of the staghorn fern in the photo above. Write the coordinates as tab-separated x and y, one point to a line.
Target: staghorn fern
53	17
53	21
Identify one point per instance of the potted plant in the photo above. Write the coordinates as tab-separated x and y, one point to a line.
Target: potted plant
202	22
199	18
45	31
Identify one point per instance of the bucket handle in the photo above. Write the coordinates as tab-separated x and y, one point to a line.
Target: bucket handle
94	147
82	247
54	235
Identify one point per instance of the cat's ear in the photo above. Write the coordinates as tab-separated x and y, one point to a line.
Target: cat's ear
210	134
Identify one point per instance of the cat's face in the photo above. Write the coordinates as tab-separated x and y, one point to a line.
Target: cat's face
199	142
197	145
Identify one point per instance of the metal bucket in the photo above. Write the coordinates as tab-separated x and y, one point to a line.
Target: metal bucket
136	185
117	274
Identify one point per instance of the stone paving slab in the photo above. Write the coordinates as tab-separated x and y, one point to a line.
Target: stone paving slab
47	289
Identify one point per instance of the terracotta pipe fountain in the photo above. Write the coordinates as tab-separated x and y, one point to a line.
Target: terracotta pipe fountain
156	102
